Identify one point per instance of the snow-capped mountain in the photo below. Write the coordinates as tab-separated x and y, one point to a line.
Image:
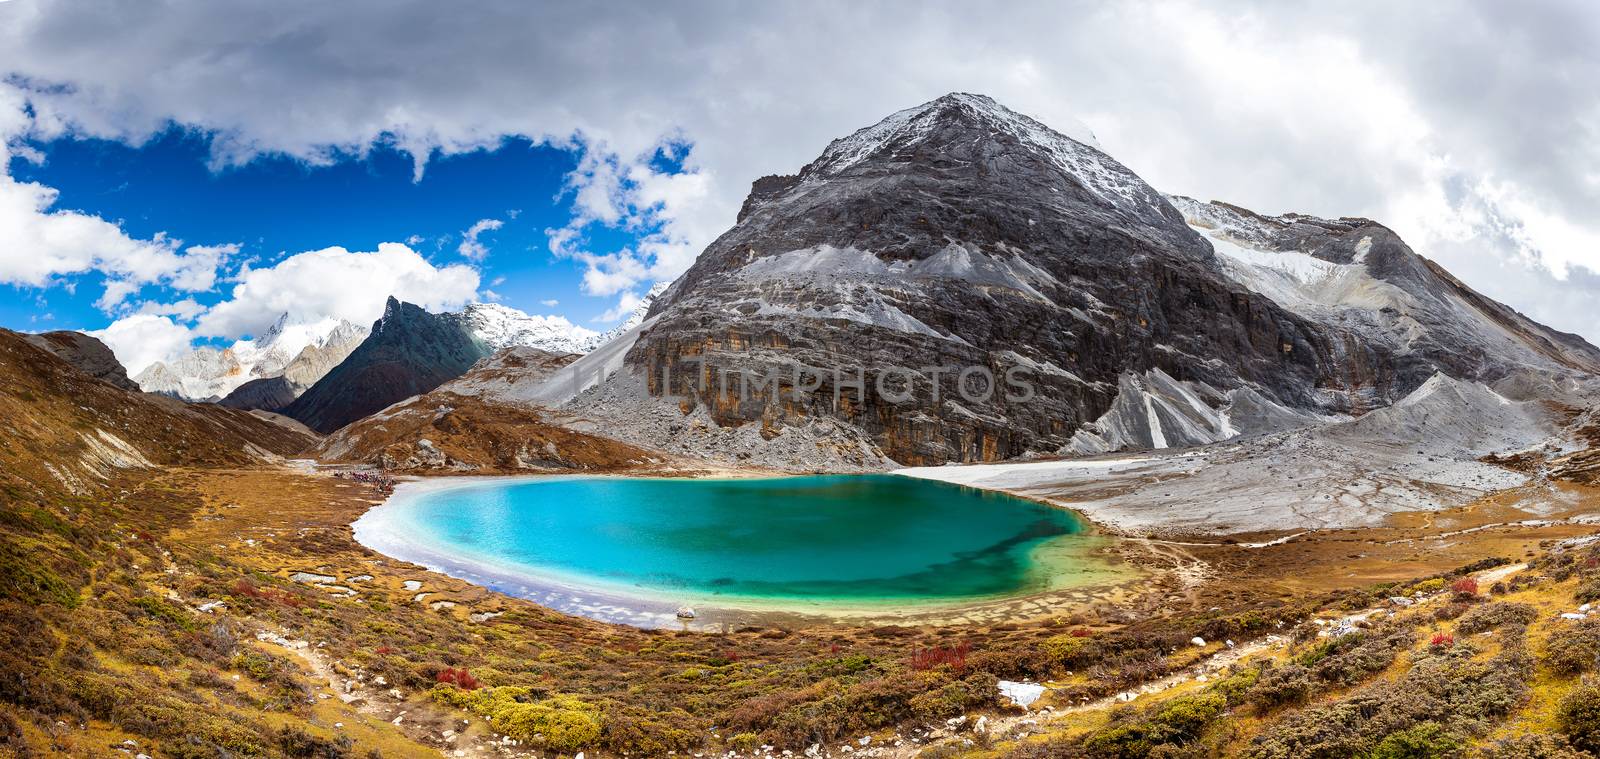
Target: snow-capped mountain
505	327
962	234
303	351
635	318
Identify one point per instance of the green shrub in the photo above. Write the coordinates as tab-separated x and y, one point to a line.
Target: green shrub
1175	722
558	723
1533	746
1574	649
1450	689
1421	741
1068	651
1428	586
1492	615
1578	718
1281	686
1589	592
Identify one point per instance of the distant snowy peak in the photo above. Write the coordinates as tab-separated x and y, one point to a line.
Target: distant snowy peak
634	319
287	347
505	327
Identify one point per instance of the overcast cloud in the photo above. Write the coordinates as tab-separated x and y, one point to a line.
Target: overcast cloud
1472	128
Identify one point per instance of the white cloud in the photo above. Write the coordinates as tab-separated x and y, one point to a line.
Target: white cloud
40	243
337	283
470	247
624	306
185	310
1418	115
550	303
143	339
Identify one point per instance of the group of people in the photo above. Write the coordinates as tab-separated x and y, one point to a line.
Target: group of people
383	482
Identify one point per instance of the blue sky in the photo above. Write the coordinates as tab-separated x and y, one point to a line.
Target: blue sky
274	206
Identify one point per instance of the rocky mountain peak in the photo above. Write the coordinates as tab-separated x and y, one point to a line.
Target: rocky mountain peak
959	233
275	331
879	188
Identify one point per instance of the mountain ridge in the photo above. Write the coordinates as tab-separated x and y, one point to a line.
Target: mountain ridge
961	233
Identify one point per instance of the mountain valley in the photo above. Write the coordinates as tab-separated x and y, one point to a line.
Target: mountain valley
1346	496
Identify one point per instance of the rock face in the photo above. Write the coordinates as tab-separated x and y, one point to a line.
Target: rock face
89	355
267	394
958	241
409	352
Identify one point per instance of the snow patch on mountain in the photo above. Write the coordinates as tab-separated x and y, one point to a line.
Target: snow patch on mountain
1153	411
209	374
1072	147
504	327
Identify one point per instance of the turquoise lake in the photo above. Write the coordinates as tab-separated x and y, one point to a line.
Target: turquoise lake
844	538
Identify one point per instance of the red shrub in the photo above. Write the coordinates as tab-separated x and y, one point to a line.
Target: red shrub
1465	585
383	650
1443	640
1080	632
928	658
836	648
460	678
246	589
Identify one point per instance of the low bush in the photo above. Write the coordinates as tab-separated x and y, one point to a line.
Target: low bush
1444	699
559	723
1532	746
1578	718
1282	686
1428	739
1493	615
460	678
1573	649
954	657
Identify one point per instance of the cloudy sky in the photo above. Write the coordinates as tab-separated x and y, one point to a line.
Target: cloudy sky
188	170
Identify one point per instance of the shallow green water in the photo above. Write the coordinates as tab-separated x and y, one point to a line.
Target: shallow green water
847	537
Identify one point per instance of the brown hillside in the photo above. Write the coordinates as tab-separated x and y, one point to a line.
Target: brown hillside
443	431
63	429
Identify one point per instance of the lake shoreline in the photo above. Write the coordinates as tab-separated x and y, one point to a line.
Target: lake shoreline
1091	554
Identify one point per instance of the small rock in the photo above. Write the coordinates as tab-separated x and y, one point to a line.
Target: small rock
1021	694
1198	641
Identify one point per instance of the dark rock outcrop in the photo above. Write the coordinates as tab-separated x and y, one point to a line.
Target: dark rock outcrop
409	352
265	393
86	353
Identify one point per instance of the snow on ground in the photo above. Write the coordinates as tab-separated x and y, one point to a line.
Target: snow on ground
574	378
1022	474
1420	455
